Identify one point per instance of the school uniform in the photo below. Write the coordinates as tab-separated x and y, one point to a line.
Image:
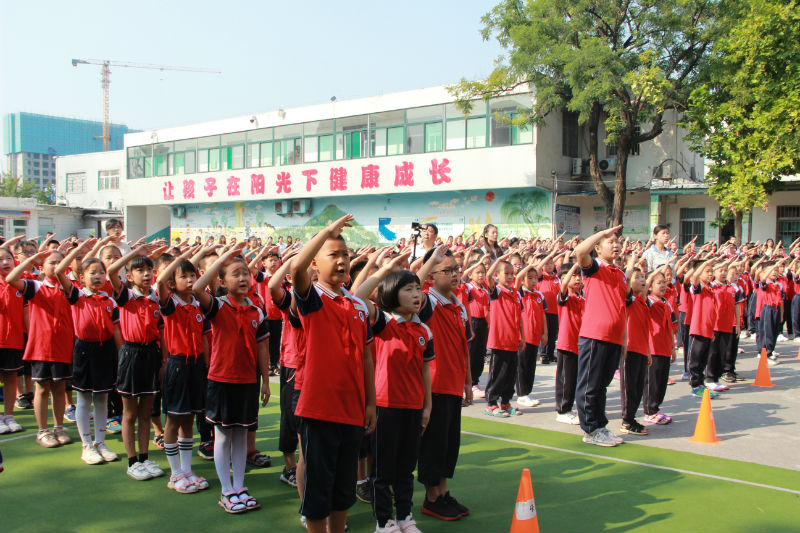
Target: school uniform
701	331
50	338
685	319
479	315
185	371
795	304
722	359
12	336
770	318
140	355
439	446
662	324
600	341
534	307
94	315
233	388
287	434
788	294
299	343
274	317
402	347
570	315
505	313
332	404
633	367
550	285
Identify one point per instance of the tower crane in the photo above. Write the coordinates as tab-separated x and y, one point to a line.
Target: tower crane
105	81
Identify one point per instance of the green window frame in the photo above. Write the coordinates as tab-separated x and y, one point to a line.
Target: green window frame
477	132
233	157
266	157
252	158
434	133
326	143
214	162
520	134
288	151
395	139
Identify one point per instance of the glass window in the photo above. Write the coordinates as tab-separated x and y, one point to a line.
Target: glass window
310	149
258	136
252	155
429	113
288	151
108	180
476	132
433	137
352	123
233	157
505	107
788	224
378	142
478	109
213	160
188	161
326	148
183	146
208	142
266	154
317	127
501	132
351	145
19	226
148	167
456	134
693	225
161	164
232	139
76	182
521	134
415	134
135	168
140	151
285	132
394	141
202	160
388	118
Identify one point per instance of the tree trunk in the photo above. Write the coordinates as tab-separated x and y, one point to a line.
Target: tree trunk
737	226
620	184
594	166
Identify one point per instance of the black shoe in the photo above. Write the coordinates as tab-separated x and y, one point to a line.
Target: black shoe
462	509
440	509
728	377
24	401
739	377
206	450
545	360
364	492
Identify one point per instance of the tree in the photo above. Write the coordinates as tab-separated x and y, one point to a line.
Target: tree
14	187
624	61
746	119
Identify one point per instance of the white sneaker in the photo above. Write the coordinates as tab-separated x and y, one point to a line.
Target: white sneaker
568	418
477	392
796	340
107	454
782	337
615	438
527	401
408	525
772	360
3	426
12	424
90	456
152	468
138	472
717	387
390	527
598	437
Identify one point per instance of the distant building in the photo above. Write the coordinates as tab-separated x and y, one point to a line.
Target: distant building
31	143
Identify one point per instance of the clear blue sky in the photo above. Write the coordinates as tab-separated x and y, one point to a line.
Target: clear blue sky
272	54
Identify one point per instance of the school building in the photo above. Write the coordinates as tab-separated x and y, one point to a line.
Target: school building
403	157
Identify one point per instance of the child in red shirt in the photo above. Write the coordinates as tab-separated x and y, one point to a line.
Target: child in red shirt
701	331
772	298
403	351
662	348
549	286
479	313
238	356
535	326
570	315
12	341
636	357
726	328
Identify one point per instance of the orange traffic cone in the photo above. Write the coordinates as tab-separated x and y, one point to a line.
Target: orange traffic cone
798	354
762	375
525	519
705	432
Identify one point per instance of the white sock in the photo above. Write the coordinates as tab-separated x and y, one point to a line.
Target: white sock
171	450
239	456
222	457
100	416
82	417
185	445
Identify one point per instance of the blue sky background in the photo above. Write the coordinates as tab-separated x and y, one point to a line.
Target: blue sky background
272	54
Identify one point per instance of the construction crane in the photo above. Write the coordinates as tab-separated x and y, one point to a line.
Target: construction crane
105	81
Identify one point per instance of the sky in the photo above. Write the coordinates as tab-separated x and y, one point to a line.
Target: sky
272	55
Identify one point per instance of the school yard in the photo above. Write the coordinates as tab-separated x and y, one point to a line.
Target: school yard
750	481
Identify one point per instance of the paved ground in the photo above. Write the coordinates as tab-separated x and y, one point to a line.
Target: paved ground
757	425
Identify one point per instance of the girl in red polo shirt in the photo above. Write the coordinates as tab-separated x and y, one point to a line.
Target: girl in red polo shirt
95	317
49	346
12	341
238	356
549	286
771	308
570	315
403	350
701	331
636	359
662	348
479	312
534	308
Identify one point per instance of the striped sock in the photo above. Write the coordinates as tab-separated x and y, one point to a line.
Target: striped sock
171	450
185	445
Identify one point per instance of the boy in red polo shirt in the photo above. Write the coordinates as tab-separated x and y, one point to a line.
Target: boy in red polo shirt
571	306
549	286
601	338
337	405
535	326
636	357
451	384
662	348
726	326
701	331
771	308
479	320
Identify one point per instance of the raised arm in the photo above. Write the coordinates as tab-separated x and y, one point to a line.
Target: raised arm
436	257
300	277
583	251
275	283
371	283
167	273
199	287
14	278
572	271
66	284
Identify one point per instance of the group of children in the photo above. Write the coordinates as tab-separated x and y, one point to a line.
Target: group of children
377	353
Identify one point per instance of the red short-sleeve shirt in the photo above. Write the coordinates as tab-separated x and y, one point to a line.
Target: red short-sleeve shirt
662	320
12	305
704	311
533	309
604	289
139	315
570	316
505	316
236	332
93	315
638	326
447	319
550	286
50	337
184	326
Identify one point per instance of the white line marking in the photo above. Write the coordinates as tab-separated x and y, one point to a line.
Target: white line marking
636	463
17	438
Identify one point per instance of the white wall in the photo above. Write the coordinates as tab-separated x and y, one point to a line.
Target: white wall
671	205
588	202
91	164
61	220
765	223
141	221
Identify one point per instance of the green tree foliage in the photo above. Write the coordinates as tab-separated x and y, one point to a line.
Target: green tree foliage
746	118
12	186
621	61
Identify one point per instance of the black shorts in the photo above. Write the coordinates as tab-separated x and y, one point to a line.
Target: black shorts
94	366
330	451
441	441
11	359
137	372
232	404
50	371
184	385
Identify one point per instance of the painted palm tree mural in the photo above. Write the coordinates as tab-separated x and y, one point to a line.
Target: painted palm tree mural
528	207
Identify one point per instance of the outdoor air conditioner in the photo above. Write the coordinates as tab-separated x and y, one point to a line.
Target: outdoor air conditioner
283	207
301	207
608	165
577	166
179	212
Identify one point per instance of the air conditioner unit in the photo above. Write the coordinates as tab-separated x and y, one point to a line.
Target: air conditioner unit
301	207
608	165
283	207
179	212
577	166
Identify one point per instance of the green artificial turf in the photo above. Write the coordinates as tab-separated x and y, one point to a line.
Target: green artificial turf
49	490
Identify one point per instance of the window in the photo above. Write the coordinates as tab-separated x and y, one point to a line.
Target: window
433	137
46	225
35	156
386	133
108	180
36	164
476	132
311	149
788	224
19	226
611	149
36	172
394	141
521	133
76	182
693	220
232	151
569	134
213	160
456	134
289	149
259	152
266	154
326	148
414	138
140	161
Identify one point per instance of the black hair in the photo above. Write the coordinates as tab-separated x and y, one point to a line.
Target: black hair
186	266
435	228
52	241
22	244
164	260
564	270
139	262
659	228
504	262
112	223
89	261
6	250
224	268
355	270
429	253
474	263
273	253
391	286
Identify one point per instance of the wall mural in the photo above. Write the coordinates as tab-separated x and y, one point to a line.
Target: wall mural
378	218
